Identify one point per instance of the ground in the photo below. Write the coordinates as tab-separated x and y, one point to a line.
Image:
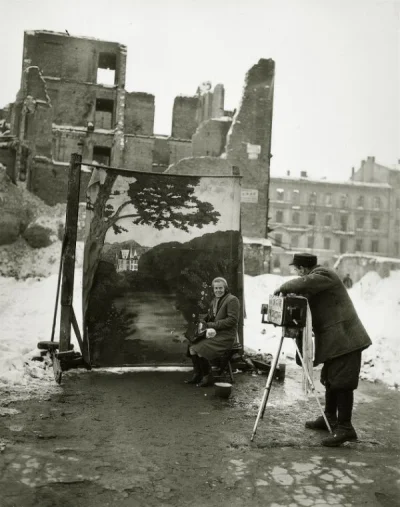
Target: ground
147	439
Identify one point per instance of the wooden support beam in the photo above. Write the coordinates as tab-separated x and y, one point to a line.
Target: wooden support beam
68	258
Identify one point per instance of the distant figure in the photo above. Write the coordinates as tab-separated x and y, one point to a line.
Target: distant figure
347	281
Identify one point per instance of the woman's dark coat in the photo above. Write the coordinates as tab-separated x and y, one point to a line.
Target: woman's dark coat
336	325
225	323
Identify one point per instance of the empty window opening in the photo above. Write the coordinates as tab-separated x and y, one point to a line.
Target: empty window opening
279	216
344	201
377	203
376	223
374	246
106	70
328	199
343	245
328	220
104	114
311	218
327	243
102	155
310	241
278	239
360	223
359	245
313	199
296	218
344	219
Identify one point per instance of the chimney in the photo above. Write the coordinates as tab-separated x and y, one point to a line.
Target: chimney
288	172
352	173
303	174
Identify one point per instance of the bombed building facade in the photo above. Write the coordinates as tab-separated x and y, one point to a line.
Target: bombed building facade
72	98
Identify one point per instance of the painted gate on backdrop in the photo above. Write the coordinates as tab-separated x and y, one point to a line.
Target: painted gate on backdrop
153	244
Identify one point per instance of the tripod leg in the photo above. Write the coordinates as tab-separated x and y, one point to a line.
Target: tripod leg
267	389
312	387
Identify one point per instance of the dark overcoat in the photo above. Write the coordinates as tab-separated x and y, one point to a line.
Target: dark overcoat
336	325
225	322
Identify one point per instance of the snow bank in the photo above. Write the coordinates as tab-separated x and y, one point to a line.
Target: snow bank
377	301
27	307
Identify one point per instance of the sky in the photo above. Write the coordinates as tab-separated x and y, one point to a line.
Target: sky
337	82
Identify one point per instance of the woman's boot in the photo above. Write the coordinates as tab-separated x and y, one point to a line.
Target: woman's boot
197	376
206	371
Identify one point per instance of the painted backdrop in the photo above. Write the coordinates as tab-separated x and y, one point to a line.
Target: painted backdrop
154	242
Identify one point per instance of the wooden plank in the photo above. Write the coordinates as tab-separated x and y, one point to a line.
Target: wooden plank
71	226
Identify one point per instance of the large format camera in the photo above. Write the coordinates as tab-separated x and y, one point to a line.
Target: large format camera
286	311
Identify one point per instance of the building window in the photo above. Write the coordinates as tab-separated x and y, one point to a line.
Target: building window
377	203
277	263
102	155
278	239
296	197
396	248
343	245
280	194
360	223
311	218
359	245
104	114
344	219
397	203
328	199
310	242
312	199
279	216
327	243
106	69
328	221
360	201
376	223
294	241
344	201
374	246
296	218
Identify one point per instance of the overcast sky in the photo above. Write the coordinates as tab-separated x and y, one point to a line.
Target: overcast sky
337	83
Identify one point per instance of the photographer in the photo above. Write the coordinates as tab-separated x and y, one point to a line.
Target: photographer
222	327
339	339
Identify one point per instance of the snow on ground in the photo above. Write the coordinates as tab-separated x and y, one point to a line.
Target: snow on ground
27	308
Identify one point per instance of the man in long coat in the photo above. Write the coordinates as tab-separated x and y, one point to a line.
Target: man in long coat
340	338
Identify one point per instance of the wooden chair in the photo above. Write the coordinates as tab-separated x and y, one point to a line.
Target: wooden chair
224	367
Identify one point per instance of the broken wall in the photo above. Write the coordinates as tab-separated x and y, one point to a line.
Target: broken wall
139	113
184	117
249	146
210	137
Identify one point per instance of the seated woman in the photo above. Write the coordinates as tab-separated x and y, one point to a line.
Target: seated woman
222	327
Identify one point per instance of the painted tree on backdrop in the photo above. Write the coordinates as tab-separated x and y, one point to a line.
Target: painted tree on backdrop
161	201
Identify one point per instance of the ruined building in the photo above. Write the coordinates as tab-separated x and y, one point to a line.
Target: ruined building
72	98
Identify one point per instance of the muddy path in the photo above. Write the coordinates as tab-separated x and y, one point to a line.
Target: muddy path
147	439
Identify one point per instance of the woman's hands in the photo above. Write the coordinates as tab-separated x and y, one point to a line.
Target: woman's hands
210	333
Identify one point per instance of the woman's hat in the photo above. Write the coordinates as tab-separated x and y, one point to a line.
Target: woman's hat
305	260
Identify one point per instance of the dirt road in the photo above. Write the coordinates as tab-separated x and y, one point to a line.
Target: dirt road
147	439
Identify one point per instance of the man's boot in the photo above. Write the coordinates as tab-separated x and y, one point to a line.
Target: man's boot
330	413
197	376
206	370
344	431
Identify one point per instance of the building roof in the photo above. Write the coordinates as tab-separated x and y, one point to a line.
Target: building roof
348	183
